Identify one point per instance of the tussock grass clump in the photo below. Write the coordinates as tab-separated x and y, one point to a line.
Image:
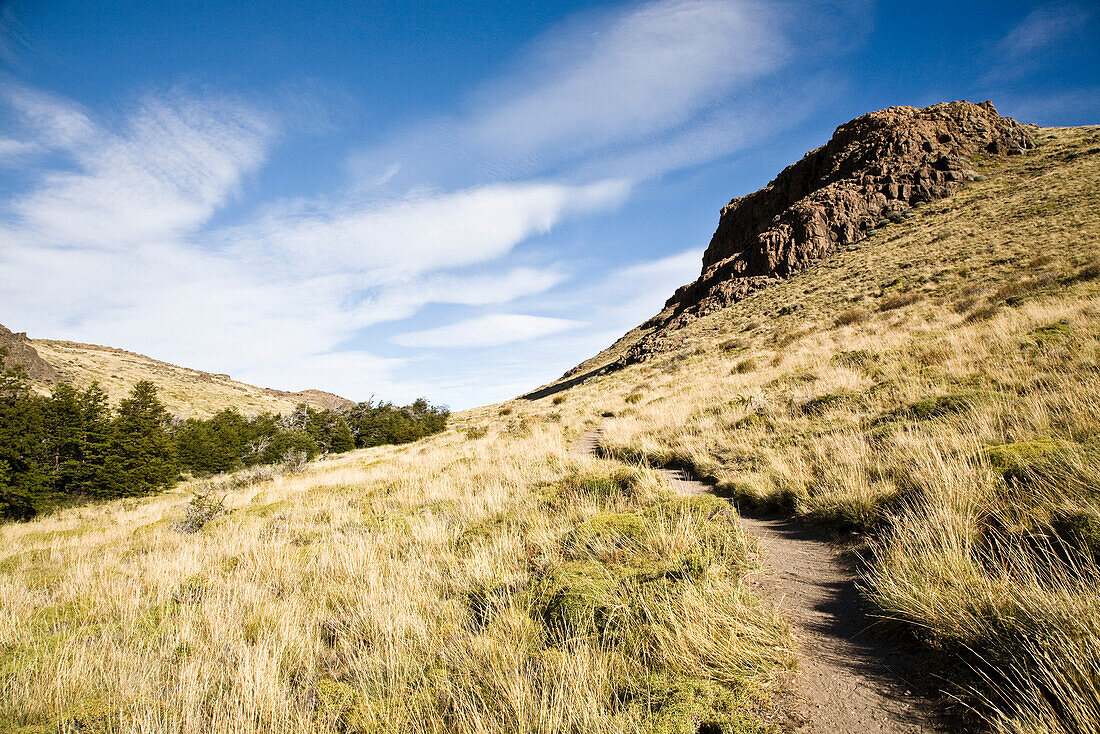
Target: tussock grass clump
941	406
851	316
899	300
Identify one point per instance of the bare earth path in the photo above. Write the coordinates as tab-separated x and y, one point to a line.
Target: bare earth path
850	680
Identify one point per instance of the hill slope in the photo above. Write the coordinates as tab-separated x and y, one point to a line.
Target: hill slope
931	390
187	392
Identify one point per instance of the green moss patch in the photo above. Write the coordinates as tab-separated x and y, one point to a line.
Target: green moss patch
942	406
578	599
680	705
615	482
1019	459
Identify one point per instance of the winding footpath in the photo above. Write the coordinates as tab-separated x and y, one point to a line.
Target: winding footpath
850	679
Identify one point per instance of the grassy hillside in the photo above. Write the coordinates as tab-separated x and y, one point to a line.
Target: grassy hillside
932	389
188	393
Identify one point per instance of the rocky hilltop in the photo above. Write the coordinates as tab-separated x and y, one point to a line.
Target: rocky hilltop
20	351
875	169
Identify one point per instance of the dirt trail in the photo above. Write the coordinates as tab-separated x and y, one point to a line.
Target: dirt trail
850	679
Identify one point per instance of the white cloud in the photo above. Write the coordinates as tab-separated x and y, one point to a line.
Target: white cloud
52	121
175	164
638	73
11	148
1044	27
402	298
492	330
636	91
416	234
625	297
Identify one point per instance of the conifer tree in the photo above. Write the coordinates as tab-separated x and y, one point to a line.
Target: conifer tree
24	473
140	456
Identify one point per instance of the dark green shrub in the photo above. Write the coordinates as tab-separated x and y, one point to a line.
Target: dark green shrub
64	448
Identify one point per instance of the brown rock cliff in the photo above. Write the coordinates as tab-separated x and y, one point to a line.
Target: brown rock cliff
874	169
20	352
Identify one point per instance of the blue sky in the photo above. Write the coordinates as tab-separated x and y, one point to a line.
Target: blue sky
457	200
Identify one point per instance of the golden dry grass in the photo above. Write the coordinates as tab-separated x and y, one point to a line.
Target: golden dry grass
955	425
496	584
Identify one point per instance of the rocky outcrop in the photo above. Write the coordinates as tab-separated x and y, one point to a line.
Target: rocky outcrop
874	169
20	352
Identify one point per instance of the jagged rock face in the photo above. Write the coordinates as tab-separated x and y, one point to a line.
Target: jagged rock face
21	352
874	168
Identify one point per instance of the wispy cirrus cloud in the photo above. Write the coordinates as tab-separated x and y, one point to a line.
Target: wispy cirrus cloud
628	76
51	121
622	298
632	90
490	330
417	233
404	297
175	163
1044	27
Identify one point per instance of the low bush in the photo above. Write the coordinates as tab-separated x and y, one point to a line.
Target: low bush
203	508
899	300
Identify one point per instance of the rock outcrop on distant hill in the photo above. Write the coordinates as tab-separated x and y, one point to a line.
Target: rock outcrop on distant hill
20	352
874	170
315	398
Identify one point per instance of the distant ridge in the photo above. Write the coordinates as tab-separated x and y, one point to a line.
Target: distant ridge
187	392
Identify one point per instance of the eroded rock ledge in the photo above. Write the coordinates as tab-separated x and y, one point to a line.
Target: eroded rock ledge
20	352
